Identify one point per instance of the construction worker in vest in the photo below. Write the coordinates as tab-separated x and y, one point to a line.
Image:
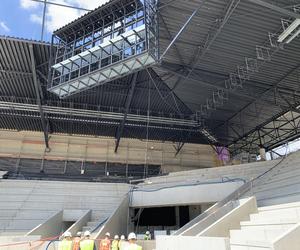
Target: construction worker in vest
105	243
66	243
86	243
76	241
122	243
132	243
147	236
115	243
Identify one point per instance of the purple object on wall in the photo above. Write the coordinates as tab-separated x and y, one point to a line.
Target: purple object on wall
223	154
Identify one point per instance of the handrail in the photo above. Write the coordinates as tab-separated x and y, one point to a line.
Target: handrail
100	224
230	198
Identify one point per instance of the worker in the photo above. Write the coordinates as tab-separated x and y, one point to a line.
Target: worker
105	243
147	236
132	243
76	241
115	243
123	243
86	243
66	243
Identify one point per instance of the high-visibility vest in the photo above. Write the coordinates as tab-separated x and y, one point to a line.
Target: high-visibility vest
134	247
147	237
87	244
123	244
65	245
115	245
104	244
76	243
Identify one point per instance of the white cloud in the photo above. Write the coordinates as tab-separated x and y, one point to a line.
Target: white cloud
4	27
60	16
36	18
57	16
28	4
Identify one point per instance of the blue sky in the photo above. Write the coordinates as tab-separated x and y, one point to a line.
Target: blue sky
22	18
17	20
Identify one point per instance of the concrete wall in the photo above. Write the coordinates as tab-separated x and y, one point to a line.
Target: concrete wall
51	227
289	241
231	220
117	222
183	195
101	149
25	204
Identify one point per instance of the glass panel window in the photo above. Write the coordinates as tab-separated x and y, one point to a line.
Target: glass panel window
107	29
106	51
107	38
105	62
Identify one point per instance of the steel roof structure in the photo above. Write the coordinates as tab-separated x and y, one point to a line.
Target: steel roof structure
186	91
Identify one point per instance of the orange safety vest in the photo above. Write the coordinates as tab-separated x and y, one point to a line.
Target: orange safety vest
104	244
76	243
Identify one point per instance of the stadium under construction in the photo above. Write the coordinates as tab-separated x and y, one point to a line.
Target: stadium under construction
173	117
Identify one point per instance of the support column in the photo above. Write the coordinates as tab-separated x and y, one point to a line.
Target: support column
127	106
262	152
45	126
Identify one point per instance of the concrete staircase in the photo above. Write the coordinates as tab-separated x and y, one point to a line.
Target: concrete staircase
243	171
25	204
282	185
265	227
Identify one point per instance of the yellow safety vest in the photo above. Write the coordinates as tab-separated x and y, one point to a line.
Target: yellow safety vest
65	245
123	244
147	237
134	247
115	245
87	245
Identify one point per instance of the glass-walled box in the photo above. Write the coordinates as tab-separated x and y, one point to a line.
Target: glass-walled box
116	39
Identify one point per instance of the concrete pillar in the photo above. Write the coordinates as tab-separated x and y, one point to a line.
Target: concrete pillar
262	152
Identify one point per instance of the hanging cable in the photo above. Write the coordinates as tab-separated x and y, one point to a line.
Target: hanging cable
147	131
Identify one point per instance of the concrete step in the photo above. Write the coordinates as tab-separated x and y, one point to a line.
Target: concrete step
291	174
267	201
278	191
92	224
87	228
282	223
239	244
291	213
273	183
279	206
256	234
13	233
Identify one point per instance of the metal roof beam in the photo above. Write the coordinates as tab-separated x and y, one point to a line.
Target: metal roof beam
171	38
260	97
210	38
182	29
45	124
127	106
276	8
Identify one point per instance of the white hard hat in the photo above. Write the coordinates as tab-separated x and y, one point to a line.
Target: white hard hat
147	232
87	233
67	234
122	237
131	236
107	234
79	234
116	237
